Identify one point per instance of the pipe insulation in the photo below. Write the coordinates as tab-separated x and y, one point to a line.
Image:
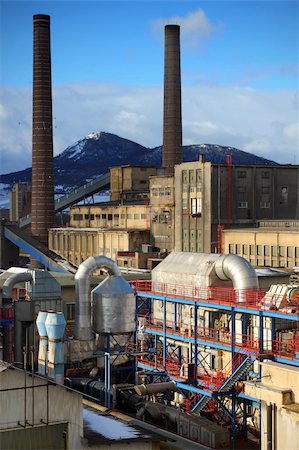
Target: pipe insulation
83	331
239	271
7	288
11	281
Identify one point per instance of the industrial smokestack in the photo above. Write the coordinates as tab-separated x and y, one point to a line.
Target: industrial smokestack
42	202
172	120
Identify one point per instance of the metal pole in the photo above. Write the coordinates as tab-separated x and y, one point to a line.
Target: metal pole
269	426
164	331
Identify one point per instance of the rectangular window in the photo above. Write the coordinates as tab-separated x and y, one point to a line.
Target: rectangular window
103	216
86	217
184	176
91	216
231	248
267	250
284	194
265	205
77	217
184	203
70	311
244	249
196	206
242	205
252	249
242	174
109	216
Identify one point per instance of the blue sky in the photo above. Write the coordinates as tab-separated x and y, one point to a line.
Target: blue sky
239	63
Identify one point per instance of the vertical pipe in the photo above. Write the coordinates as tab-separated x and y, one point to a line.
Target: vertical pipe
233	336
172	115
261	332
175	316
269	426
42	132
164	331
195	341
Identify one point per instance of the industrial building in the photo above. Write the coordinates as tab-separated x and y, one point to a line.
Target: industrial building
271	244
200	349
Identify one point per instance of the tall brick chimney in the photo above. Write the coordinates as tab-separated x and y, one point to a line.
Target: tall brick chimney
42	200
172	120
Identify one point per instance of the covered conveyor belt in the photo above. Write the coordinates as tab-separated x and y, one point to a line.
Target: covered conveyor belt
40	252
98	184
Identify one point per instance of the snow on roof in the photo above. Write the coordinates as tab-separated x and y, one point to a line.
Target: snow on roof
110	427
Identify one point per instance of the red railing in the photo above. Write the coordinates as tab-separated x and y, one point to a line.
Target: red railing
217	335
287	348
251	298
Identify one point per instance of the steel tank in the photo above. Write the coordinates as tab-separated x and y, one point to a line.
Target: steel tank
113	306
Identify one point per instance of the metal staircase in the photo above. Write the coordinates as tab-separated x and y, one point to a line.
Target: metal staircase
240	370
201	404
236	375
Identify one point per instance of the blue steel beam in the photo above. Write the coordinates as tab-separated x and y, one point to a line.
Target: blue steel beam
238	309
200	342
33	251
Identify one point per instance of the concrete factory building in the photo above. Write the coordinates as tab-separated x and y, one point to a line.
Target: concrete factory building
272	244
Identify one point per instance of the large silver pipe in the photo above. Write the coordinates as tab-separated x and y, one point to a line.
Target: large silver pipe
83	331
155	388
239	271
7	289
11	281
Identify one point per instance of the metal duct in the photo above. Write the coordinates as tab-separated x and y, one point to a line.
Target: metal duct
42	204
239	271
172	114
7	288
155	388
11	281
83	330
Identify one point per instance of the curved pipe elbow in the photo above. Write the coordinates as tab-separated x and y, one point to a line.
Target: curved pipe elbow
83	329
11	281
238	270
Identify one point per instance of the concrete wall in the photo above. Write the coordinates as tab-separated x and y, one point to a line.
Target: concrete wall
117	216
193	207
130	182
77	244
263	246
35	405
162	212
279	386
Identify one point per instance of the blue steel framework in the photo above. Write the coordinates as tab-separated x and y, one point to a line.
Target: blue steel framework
199	391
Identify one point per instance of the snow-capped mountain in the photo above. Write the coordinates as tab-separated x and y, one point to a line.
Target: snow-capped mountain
94	154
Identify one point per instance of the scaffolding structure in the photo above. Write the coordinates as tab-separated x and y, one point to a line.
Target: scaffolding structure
206	390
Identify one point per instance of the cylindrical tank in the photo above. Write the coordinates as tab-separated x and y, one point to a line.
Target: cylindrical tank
43	342
55	326
113	306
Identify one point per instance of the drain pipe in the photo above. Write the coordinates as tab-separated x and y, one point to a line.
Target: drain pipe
269	426
83	331
239	271
7	289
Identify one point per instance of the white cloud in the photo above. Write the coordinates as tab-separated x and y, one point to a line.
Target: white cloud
262	122
194	28
291	132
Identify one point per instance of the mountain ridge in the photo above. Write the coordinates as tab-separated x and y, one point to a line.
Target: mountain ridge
98	151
